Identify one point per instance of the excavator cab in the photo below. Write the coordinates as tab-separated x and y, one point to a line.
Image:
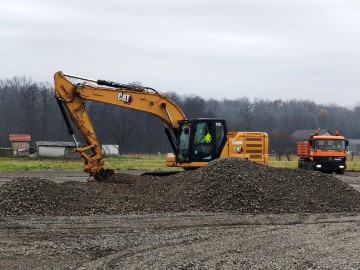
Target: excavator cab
200	140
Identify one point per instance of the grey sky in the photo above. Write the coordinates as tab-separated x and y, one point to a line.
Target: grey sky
288	49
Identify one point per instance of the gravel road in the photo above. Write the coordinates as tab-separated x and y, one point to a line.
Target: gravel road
183	240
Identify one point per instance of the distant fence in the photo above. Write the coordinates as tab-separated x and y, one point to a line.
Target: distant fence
15	153
5	152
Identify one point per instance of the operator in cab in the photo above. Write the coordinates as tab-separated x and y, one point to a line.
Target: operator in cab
202	134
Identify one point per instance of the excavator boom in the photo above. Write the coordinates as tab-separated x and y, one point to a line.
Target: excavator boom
71	98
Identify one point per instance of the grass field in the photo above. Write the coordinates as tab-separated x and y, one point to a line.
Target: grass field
352	165
132	162
128	162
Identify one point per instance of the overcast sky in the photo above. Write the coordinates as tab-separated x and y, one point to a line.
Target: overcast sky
279	49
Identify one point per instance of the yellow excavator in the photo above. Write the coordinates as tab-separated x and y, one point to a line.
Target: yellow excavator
195	142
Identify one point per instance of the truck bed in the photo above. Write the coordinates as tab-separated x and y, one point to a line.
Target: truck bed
302	149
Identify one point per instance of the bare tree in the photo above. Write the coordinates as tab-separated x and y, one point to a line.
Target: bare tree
123	129
246	112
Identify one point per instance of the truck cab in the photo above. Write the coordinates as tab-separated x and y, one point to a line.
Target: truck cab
323	153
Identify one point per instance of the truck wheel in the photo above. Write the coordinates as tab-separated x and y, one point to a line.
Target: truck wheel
340	171
310	167
300	165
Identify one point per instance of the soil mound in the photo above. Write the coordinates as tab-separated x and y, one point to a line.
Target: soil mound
238	185
224	185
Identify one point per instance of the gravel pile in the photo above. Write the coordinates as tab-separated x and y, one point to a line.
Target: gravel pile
224	185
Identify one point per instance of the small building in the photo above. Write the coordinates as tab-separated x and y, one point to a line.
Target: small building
56	149
354	147
110	149
20	144
304	135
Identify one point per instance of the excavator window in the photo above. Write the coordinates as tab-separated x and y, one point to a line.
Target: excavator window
219	135
202	133
184	140
201	140
203	143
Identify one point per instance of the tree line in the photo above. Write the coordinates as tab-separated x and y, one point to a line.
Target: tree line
30	107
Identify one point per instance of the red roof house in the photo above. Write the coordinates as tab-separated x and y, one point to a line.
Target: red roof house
19	138
20	144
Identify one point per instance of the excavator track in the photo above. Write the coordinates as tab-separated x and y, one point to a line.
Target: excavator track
160	173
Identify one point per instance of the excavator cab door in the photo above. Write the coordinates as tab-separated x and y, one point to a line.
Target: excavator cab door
200	140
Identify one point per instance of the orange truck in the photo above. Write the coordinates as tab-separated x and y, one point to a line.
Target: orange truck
323	153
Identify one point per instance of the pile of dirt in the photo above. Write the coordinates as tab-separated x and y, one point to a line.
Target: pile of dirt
224	185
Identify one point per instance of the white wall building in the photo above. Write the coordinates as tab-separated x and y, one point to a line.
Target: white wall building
110	149
50	149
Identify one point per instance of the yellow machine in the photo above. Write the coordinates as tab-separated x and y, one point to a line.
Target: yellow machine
195	142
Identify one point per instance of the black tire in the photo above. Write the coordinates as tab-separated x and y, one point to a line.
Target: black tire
303	164
340	171
310	167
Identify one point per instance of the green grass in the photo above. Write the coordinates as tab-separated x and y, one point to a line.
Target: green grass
352	165
36	164
132	162
128	162
283	163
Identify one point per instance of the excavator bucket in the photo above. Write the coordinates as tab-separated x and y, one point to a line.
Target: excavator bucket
102	175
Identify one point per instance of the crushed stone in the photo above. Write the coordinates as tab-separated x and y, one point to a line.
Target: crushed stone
224	185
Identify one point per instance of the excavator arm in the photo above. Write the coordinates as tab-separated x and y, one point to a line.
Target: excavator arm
72	97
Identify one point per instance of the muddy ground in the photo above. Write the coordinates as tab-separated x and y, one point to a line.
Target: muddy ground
179	240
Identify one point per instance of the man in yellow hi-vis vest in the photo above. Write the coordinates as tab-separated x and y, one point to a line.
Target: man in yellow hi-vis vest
207	137
203	136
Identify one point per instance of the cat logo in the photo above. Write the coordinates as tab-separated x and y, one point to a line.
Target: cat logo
126	98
